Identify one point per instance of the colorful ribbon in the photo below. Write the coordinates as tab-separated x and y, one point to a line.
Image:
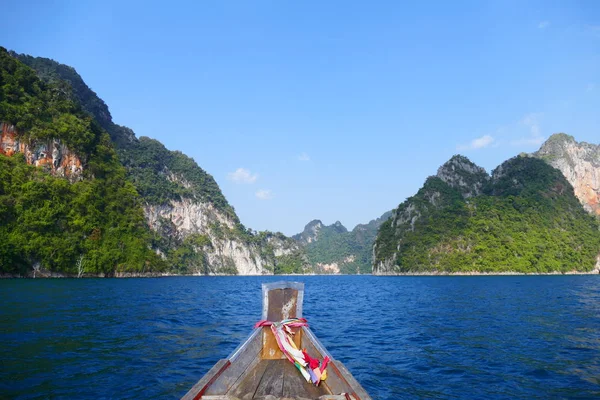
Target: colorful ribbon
312	369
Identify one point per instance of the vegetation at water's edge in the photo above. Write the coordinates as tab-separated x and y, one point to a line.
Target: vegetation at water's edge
527	220
96	224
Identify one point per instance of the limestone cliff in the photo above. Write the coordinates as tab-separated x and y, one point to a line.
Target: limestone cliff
525	218
579	163
310	233
49	154
460	173
197	231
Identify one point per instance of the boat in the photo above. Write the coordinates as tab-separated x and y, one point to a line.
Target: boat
259	369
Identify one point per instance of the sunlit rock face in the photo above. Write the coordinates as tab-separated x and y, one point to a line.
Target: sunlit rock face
462	174
227	252
310	233
187	216
51	155
579	163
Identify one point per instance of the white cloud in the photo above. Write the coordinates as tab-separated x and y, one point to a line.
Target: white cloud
478	143
304	157
543	24
242	175
532	122
264	194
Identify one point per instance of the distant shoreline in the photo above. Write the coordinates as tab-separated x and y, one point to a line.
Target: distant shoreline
56	275
507	273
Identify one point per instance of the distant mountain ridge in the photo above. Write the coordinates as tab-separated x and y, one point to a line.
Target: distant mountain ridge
523	218
334	249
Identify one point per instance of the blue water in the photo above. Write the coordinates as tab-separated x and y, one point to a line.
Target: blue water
402	337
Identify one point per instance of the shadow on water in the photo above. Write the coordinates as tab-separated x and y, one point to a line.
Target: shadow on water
401	337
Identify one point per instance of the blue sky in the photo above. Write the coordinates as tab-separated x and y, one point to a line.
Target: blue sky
330	110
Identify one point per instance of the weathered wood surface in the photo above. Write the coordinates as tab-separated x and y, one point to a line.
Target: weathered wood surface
294	384
272	380
356	390
248	383
200	388
278	378
243	358
281	304
259	370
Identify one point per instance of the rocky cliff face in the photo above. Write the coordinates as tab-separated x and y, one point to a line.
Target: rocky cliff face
310	233
182	201
524	218
50	154
460	173
226	252
579	163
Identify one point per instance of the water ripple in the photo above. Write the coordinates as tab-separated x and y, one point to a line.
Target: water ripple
402	337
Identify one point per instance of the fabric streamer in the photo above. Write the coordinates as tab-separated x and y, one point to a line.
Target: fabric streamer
312	369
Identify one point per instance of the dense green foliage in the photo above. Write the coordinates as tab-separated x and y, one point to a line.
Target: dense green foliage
156	171
59	74
150	165
160	175
96	223
351	251
528	220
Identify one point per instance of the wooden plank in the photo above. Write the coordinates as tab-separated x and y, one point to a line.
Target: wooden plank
275	304
333	383
290	304
309	344
270	349
353	387
272	380
282	304
200	388
248	383
218	397
339	379
294	384
268	287
290	300
243	358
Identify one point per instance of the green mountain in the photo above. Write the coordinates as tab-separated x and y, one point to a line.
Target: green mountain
65	202
185	219
334	249
523	218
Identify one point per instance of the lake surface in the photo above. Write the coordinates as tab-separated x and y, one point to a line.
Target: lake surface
528	337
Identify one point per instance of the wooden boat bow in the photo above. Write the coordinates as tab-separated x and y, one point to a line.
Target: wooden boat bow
258	369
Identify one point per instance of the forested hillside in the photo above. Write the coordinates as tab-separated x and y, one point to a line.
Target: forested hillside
526	219
95	223
334	249
164	203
